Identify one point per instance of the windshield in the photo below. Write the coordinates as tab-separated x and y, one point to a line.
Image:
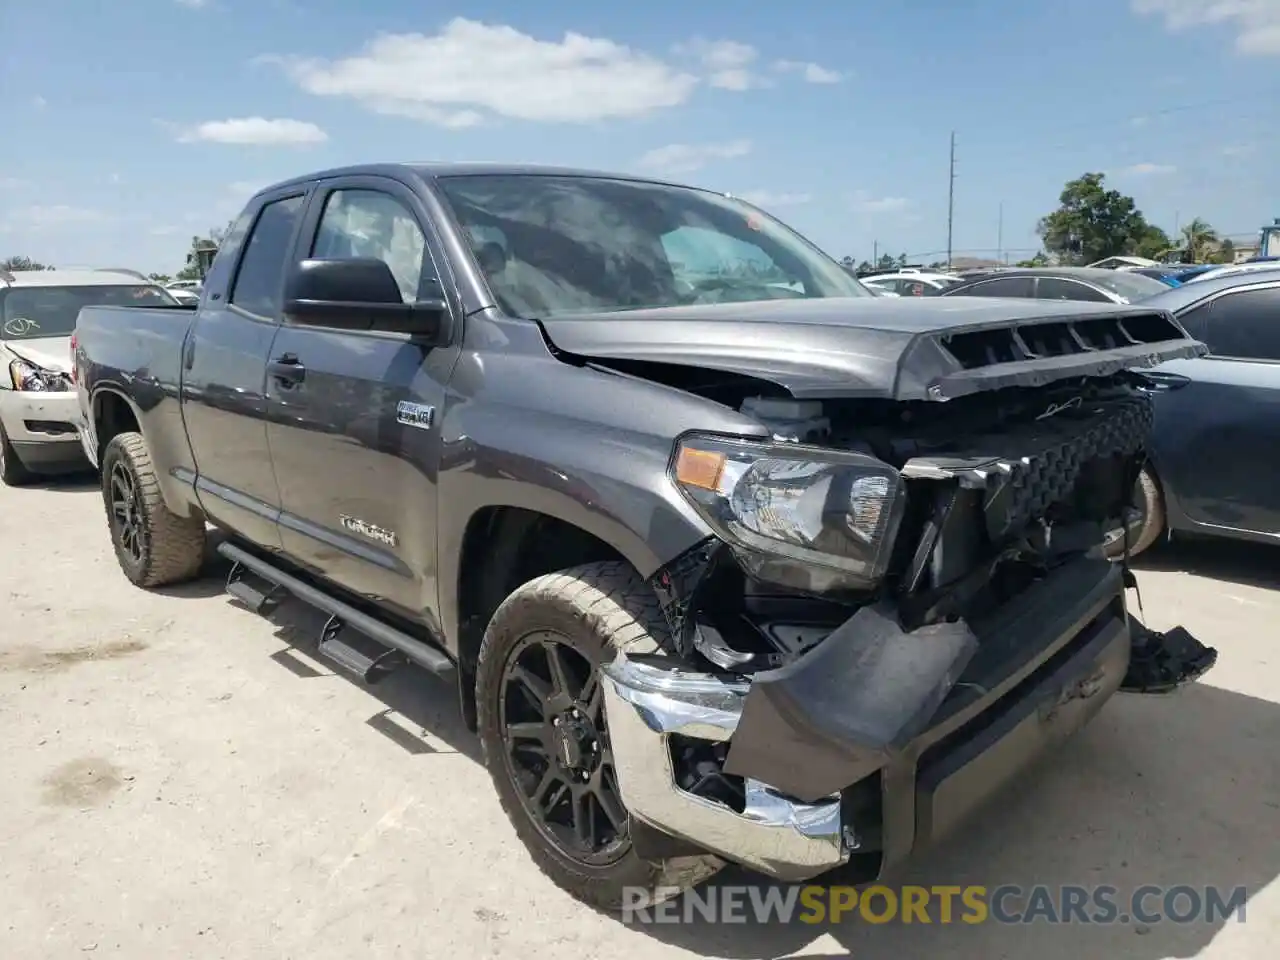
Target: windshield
32	312
1131	286
558	245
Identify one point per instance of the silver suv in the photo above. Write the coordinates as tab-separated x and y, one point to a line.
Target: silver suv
38	408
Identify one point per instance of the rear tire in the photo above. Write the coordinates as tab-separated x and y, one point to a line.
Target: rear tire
13	472
580	617
153	546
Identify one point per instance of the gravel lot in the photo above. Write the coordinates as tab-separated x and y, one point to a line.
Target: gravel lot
182	781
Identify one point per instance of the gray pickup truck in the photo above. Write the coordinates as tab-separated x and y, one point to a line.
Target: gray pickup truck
733	561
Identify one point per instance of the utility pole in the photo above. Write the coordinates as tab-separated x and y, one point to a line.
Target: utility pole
875	254
951	197
1000	235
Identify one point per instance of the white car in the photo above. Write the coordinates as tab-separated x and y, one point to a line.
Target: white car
911	282
39	411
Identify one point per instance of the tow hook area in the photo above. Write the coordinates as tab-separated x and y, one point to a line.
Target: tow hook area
1161	662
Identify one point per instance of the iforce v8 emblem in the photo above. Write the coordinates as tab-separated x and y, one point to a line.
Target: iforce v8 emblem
420	415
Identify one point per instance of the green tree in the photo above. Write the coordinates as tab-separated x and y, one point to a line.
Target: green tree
1153	243
160	278
191	268
1093	223
1199	240
1039	260
16	264
886	262
1226	252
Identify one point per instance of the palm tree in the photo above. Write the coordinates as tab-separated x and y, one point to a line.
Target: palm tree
1200	239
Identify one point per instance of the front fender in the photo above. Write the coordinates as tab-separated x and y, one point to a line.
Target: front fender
587	447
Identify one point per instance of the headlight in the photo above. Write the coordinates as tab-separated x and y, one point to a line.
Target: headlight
836	513
27	376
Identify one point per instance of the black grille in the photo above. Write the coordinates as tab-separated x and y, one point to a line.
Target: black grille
1033	466
1035	341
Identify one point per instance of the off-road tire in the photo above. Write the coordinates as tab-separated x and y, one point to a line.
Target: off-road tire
1150	501
172	546
609	606
13	472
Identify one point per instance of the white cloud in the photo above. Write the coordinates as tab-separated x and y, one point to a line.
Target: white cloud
255	130
864	202
192	4
812	72
13	183
728	64
471	72
39	102
767	200
1256	22
687	157
42	217
1147	170
1237	150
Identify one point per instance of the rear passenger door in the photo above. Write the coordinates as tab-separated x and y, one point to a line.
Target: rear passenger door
1218	431
224	369
357	477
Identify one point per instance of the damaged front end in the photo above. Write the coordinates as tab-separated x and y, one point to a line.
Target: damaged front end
903	606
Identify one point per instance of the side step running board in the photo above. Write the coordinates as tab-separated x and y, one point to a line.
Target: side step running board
384	648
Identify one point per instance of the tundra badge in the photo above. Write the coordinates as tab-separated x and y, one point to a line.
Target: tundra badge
419	415
366	529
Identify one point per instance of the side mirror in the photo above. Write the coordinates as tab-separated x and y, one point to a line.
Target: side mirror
359	294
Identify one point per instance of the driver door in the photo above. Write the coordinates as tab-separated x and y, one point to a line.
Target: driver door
357	477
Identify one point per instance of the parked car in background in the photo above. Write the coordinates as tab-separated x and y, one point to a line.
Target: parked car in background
38	412
1091	284
1231	270
1215	450
1168	275
912	283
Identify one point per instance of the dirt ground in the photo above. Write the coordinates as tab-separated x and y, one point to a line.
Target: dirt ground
181	781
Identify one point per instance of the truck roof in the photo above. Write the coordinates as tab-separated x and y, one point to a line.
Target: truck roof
430	169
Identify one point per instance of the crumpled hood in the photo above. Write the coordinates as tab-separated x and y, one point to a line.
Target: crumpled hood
48	353
910	348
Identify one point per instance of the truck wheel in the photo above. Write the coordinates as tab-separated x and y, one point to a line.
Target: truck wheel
538	675
1147	529
13	472
154	547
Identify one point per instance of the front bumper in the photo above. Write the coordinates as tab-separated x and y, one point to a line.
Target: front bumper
43	428
951	732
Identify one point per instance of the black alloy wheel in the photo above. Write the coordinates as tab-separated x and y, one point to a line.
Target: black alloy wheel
557	752
126	512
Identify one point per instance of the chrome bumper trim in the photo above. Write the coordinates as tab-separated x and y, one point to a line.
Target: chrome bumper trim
775	835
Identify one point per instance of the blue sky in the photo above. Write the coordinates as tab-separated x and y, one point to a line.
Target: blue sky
128	127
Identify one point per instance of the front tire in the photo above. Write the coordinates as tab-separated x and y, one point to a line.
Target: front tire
153	546
1150	525
13	472
537	684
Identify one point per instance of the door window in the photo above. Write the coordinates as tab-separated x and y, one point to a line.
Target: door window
1056	288
1002	287
370	223
259	283
1246	325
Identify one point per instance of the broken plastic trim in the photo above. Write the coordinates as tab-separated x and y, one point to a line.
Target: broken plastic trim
1161	662
677	585
815	736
